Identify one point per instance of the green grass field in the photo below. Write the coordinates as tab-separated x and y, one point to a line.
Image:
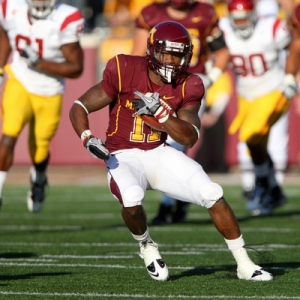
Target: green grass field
79	248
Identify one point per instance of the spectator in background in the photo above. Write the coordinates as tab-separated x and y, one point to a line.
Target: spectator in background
123	12
43	39
197	18
93	14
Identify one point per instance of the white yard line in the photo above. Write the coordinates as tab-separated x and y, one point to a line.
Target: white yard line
145	296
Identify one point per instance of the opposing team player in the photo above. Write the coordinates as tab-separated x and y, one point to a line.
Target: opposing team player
137	157
201	21
43	38
263	95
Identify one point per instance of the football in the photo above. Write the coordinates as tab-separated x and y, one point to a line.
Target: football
152	122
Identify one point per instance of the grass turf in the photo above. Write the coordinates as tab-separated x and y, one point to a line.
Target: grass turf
77	247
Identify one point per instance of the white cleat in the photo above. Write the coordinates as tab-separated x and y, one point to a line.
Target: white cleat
256	275
156	267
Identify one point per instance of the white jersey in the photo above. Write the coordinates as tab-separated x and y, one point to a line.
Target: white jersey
45	36
256	60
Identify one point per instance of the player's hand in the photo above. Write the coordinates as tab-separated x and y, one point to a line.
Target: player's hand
151	105
30	56
96	147
290	86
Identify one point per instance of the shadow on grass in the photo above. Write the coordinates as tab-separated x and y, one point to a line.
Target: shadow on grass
277	269
10	255
31	275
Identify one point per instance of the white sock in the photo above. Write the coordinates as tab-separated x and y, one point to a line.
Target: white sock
142	238
3	175
37	176
244	263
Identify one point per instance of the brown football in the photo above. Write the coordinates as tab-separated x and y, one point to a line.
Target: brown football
152	122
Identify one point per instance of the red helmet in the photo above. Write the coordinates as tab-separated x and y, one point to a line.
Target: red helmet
169	36
242	16
181	4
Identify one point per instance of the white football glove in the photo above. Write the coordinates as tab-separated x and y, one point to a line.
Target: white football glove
290	86
96	147
30	56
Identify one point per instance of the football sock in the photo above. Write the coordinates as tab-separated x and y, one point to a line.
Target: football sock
3	175
37	176
262	170
239	252
142	238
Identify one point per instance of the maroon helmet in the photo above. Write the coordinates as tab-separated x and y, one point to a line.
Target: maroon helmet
242	16
170	37
181	4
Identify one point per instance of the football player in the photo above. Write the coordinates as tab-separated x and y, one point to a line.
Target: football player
137	156
255	45
201	21
42	37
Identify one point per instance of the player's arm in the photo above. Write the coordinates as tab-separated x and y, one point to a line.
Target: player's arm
219	53
140	42
71	68
92	100
4	47
186	127
293	58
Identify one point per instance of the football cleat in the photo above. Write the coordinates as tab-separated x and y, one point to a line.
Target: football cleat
156	267
254	205
257	275
36	197
273	199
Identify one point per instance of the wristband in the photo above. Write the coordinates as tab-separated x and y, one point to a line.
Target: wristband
85	134
1	71
214	74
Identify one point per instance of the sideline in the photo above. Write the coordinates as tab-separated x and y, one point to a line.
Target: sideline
82	175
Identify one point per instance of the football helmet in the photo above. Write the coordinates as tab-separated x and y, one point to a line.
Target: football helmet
180	4
40	9
171	38
242	16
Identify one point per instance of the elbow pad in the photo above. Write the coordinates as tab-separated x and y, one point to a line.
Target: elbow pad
216	42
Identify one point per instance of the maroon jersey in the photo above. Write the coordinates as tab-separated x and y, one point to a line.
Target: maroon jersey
125	74
201	19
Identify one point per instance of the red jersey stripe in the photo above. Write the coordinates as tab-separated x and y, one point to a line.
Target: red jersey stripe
72	18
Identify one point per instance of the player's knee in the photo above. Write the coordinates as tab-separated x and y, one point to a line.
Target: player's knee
211	192
133	196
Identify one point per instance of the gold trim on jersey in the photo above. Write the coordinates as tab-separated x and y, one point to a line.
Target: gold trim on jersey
119	108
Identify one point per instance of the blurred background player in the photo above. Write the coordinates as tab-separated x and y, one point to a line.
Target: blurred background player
293	58
201	21
255	45
43	38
